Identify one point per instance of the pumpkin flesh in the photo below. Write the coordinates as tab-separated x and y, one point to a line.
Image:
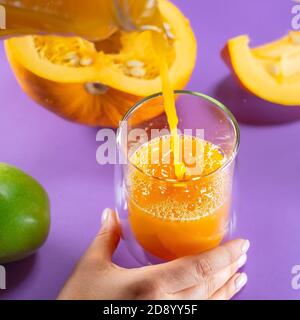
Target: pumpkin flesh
271	71
60	73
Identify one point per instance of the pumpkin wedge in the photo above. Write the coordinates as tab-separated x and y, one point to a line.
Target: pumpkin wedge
96	83
271	71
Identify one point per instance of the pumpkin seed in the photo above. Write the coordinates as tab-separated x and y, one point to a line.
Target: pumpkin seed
138	72
168	31
135	64
170	34
74	62
96	88
86	61
167	26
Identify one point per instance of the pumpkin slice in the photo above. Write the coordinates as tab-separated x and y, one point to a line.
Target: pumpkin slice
272	71
96	83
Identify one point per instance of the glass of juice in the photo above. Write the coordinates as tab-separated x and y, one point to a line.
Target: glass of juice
165	217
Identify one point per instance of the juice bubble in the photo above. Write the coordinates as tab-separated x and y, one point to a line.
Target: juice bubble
170	217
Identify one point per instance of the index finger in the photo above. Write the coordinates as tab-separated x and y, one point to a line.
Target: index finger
191	271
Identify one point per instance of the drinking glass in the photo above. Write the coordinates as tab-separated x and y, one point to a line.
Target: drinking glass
162	218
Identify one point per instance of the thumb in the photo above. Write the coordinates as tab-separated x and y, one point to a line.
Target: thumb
108	238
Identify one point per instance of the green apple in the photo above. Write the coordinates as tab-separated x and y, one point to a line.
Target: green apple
24	214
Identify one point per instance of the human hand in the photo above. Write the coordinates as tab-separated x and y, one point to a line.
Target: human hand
211	275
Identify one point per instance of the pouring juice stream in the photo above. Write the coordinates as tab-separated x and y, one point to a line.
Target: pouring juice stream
160	45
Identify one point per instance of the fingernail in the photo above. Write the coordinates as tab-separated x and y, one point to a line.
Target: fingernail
105	215
242	260
245	246
241	281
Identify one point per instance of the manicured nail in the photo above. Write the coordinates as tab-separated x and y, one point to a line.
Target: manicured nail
105	215
241	281
245	246
242	260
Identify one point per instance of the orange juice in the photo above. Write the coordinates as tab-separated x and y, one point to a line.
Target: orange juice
171	217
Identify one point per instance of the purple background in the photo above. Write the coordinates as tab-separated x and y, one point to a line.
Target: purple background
62	156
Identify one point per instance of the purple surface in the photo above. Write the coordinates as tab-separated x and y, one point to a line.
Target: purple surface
62	156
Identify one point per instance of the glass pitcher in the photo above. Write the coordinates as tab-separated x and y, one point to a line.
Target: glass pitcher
91	19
